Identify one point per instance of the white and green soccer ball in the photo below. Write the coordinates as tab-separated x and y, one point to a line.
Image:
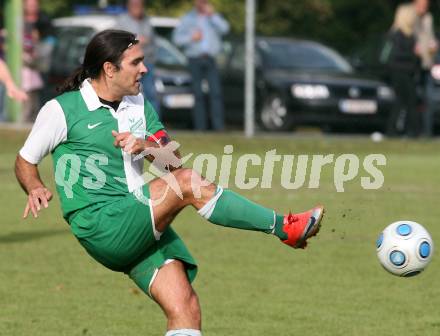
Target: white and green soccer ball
405	248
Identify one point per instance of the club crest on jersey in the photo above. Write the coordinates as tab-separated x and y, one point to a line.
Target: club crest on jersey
137	127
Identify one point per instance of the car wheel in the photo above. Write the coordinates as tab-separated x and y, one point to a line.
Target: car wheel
274	115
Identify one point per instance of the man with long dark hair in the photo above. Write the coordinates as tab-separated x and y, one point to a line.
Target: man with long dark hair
97	130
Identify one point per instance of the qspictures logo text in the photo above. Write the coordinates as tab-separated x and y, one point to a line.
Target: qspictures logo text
245	171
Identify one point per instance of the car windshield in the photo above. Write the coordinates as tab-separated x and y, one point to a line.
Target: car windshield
169	55
301	55
71	42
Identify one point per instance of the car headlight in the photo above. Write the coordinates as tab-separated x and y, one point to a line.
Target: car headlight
385	92
309	91
435	72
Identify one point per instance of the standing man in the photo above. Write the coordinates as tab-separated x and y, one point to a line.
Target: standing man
95	131
138	23
426	49
199	34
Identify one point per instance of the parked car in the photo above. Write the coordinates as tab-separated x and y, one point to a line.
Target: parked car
303	82
173	82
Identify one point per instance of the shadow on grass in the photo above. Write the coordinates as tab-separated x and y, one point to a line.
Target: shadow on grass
19	237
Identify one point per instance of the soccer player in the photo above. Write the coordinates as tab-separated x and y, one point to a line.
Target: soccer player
95	132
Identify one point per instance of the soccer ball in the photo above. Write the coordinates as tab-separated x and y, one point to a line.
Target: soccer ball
404	248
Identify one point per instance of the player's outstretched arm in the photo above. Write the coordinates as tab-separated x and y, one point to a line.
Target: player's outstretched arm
29	178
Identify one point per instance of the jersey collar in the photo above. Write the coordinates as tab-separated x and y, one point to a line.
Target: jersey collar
92	100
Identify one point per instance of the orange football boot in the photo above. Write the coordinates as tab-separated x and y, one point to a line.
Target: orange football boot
302	226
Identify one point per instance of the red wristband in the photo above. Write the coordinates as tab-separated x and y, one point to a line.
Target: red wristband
158	136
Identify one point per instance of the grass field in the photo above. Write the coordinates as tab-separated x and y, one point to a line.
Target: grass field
248	283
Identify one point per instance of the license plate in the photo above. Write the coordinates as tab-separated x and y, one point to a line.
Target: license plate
179	101
358	106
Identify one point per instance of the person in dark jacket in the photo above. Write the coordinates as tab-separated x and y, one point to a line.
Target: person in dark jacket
403	67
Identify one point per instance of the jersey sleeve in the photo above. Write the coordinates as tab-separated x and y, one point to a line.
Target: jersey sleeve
49	130
152	119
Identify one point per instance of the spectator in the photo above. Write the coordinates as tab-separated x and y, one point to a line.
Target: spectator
423	29
199	34
135	21
36	25
427	47
12	90
7	84
403	68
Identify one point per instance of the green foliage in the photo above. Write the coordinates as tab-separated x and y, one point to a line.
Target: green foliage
340	23
56	7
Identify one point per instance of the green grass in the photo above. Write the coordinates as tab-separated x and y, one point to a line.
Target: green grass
248	283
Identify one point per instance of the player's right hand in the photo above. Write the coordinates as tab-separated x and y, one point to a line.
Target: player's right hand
37	197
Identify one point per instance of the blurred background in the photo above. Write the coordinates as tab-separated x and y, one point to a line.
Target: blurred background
317	63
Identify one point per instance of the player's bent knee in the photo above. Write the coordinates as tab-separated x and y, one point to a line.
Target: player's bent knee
187	178
183	175
187	309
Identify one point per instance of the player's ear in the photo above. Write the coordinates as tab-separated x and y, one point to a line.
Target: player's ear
109	69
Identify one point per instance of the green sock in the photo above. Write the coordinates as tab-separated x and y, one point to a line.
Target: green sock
279	228
230	209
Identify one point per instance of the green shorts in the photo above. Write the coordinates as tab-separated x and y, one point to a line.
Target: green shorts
121	236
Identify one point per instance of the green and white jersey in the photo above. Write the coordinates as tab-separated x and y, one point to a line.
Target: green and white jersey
77	129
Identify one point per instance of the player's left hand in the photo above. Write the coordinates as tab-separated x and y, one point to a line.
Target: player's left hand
128	142
37	197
